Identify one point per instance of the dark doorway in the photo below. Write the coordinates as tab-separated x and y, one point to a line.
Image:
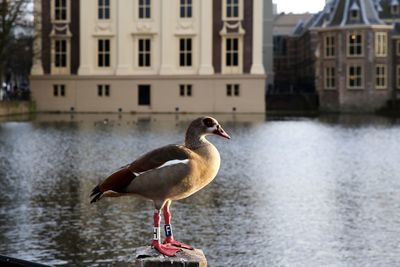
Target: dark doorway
144	95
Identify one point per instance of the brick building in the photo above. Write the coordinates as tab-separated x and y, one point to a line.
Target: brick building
351	50
354	70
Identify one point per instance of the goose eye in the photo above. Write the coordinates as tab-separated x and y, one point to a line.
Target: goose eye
208	122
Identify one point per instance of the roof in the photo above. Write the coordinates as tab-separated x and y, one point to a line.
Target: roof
385	8
355	12
337	13
324	16
286	24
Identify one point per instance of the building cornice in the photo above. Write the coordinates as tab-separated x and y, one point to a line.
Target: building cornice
149	77
103	34
353	27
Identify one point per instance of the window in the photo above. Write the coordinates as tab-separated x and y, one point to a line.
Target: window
103	90
103	53
398	76
144	9
355	77
186	8
280	46
232	9
232	52
185	90
144	95
354	14
398	47
104	9
236	89
381	44
354	45
330	46
144	53
60	10
380	77
185	52
60	53
55	90
330	81
232	57
233	90
59	90
394	9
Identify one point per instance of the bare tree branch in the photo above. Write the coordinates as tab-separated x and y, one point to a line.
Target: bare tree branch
15	19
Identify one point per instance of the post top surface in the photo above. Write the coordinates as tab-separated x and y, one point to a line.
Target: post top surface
147	256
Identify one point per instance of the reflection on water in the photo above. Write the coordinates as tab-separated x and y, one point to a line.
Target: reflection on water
290	192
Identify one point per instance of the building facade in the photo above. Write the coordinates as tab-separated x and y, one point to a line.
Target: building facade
355	64
268	46
351	50
294	47
149	56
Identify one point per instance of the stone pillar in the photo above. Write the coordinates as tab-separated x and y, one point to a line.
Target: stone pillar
123	37
37	68
206	37
257	66
168	42
86	49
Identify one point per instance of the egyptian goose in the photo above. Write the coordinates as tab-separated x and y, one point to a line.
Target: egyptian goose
167	174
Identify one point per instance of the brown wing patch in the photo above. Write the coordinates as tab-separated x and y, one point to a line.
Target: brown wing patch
117	181
158	157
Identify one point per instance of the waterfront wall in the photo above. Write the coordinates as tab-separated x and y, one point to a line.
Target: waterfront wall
208	94
8	108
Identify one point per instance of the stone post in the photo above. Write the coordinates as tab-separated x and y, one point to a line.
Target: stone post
149	257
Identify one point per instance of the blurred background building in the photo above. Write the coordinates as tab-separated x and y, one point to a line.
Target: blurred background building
347	54
151	55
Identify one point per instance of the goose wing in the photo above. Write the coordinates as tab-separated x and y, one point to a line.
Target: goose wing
157	158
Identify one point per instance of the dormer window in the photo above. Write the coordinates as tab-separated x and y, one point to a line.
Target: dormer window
379	7
354	12
394	7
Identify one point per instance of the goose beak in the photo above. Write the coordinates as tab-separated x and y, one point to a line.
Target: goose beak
219	131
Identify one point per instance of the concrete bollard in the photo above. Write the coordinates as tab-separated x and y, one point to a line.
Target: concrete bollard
149	257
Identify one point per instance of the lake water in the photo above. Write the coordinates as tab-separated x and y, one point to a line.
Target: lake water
290	192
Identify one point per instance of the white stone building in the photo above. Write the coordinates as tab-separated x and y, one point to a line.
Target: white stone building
149	56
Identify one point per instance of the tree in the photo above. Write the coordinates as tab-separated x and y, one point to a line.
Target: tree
19	60
15	21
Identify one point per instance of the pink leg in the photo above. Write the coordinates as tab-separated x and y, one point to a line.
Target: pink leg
164	249
169	238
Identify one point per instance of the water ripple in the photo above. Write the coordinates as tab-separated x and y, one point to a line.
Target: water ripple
290	192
